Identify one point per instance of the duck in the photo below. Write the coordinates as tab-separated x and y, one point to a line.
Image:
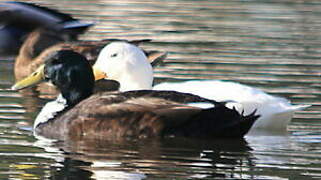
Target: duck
42	42
276	112
133	73
44	30
22	18
78	114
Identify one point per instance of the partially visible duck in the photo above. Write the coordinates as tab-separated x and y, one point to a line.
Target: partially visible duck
42	42
77	114
126	63
276	112
42	30
18	19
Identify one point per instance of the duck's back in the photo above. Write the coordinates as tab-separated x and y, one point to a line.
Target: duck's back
145	114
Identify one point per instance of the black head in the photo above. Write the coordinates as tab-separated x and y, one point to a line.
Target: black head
71	73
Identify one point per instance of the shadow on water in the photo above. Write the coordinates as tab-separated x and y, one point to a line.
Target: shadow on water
151	158
272	45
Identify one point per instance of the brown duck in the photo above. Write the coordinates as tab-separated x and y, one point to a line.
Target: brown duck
79	114
41	42
31	32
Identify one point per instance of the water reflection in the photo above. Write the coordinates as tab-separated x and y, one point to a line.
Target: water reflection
152	158
271	45
285	152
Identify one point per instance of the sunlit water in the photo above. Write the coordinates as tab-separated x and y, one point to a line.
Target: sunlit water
272	45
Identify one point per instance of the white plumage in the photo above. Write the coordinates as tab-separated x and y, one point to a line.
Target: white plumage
50	110
276	112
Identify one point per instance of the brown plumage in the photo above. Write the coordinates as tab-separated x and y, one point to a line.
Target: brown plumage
134	114
41	42
141	114
33	32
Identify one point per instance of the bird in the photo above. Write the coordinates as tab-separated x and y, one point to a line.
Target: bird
18	19
128	65
30	32
40	43
79	114
46	30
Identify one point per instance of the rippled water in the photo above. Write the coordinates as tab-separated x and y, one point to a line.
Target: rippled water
273	45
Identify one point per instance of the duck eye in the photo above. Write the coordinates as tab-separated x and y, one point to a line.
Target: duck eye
114	55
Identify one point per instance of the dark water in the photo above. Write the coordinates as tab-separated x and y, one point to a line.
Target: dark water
272	45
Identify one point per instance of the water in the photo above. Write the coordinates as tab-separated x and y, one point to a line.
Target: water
272	45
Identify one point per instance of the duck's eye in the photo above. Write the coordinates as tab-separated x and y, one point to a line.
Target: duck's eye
114	55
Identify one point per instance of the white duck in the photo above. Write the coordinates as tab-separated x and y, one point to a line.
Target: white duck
128	65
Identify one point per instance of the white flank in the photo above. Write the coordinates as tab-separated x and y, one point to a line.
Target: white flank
202	105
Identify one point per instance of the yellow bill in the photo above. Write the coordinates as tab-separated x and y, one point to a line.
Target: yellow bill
98	74
33	79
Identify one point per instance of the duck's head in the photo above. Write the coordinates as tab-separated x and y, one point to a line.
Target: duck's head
125	63
69	71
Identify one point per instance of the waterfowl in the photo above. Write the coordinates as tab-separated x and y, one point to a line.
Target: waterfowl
129	67
21	18
41	42
77	114
276	112
45	30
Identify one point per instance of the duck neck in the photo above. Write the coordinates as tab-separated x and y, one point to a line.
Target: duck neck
50	111
130	83
64	101
136	77
36	42
74	95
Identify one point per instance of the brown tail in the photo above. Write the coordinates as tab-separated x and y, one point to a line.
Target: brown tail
232	124
247	122
220	122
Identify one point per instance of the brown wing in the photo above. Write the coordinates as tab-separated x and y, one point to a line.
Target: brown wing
178	97
116	116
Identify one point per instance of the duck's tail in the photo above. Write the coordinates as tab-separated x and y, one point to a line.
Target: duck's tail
222	122
299	107
74	28
238	126
247	122
277	121
27	17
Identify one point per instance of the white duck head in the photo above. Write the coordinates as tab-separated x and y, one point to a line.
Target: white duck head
125	63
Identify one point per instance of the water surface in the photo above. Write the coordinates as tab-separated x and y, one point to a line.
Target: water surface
272	45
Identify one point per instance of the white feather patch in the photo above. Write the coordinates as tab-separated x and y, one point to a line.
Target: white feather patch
235	105
202	105
50	110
